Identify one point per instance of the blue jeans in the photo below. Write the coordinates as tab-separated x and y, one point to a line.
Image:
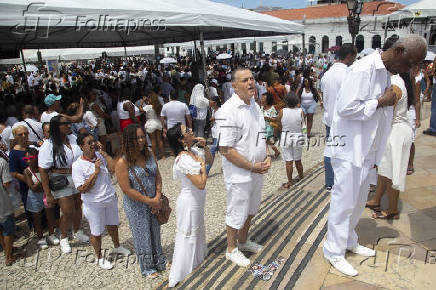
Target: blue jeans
329	174
213	150
433	111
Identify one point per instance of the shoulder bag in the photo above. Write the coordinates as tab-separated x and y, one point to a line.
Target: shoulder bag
164	213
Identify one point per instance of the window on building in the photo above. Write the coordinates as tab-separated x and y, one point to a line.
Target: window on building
325	43
376	41
312	41
218	48
261	47
360	43
253	46
339	40
274	46
244	47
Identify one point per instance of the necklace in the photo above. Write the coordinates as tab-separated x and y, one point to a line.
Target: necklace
89	160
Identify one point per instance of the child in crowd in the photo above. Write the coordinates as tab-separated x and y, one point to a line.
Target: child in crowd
292	139
35	199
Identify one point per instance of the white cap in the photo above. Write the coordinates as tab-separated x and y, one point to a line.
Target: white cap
214	81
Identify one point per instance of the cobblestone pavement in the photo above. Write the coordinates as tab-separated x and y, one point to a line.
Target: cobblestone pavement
49	269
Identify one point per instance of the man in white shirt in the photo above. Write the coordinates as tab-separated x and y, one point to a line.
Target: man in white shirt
330	84
33	127
363	117
213	92
175	112
243	147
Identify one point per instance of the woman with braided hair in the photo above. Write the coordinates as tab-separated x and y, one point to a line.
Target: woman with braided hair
140	180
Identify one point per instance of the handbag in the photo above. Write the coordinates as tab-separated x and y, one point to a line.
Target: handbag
193	111
163	214
57	182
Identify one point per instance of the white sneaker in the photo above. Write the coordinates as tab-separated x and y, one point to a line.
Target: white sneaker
250	246
53	240
42	244
238	258
104	264
363	251
342	266
79	235
120	251
65	246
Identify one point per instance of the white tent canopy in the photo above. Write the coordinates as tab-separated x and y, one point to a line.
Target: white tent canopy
423	8
87	23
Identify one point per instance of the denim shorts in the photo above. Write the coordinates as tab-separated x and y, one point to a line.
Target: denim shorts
67	191
309	108
7	228
35	202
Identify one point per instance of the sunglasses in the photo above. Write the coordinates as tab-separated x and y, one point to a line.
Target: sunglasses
30	158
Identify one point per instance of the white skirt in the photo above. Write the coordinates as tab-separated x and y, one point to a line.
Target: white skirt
152	125
190	245
396	157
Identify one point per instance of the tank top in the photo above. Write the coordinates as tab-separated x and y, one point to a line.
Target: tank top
36	177
306	97
123	114
291	127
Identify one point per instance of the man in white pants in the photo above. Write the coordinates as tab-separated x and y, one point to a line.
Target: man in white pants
330	84
363	115
242	143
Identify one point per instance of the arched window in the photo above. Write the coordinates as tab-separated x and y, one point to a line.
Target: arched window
360	43
325	43
339	40
312	41
376	41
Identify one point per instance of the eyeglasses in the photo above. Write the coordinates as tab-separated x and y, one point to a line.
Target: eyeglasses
30	158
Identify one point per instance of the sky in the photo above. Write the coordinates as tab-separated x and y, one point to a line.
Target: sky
284	3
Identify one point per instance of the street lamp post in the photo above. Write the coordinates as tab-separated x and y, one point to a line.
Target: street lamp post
353	19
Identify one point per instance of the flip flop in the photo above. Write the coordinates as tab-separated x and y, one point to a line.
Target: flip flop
410	171
383	216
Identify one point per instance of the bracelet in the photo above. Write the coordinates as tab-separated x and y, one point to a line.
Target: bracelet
251	167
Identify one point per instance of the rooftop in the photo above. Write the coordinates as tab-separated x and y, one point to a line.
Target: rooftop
335	10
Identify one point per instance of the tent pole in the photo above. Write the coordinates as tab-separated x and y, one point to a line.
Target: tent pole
195	50
125	52
304	52
203	57
24	62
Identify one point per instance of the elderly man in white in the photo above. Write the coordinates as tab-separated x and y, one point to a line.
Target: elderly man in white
330	84
242	143
363	115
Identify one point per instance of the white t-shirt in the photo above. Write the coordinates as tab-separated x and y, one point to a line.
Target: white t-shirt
306	97
175	112
45	156
46	117
37	127
6	135
103	189
212	92
11	121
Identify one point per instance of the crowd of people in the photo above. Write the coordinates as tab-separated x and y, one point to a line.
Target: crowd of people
55	153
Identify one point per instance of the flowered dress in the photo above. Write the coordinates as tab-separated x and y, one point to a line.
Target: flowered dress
272	113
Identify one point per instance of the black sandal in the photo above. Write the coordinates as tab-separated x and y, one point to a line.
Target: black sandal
384	216
375	207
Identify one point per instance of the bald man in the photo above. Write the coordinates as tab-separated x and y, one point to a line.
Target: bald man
363	115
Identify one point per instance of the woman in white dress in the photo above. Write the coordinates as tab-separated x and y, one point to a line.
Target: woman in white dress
201	103
153	126
190	168
393	166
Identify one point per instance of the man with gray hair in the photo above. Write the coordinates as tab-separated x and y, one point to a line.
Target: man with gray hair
363	115
245	161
